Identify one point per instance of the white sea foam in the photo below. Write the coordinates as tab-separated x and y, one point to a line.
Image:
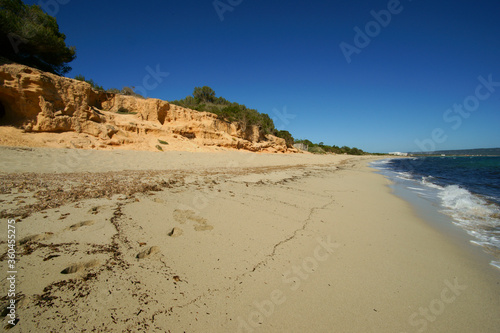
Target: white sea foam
380	164
496	264
404	175
475	214
416	189
465	205
427	181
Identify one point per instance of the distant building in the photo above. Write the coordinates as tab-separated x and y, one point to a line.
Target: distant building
301	146
397	153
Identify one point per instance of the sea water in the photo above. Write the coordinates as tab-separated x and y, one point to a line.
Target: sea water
465	188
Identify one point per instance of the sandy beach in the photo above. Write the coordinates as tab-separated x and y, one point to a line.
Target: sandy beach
129	241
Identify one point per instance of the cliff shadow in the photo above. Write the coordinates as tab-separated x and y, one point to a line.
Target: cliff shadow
2	111
7	116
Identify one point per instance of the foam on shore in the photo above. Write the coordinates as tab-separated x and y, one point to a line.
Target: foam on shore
476	215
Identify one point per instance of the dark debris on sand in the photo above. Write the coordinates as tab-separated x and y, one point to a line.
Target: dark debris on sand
56	189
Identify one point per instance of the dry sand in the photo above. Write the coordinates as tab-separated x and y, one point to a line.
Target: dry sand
129	241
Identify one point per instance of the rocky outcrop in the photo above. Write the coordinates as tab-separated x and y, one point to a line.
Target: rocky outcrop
42	102
21	88
149	109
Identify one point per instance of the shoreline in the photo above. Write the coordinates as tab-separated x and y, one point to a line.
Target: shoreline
428	205
237	242
444	224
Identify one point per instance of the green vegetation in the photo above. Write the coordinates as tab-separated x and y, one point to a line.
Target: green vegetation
159	148
321	148
287	136
127	91
204	94
113	91
31	37
90	81
162	142
204	99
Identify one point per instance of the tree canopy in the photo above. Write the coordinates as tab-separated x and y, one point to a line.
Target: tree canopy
204	94
31	37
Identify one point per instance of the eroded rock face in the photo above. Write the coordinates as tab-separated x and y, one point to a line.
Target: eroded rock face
42	102
151	109
21	88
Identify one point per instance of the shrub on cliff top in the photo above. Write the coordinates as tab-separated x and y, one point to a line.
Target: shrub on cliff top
130	91
31	37
287	136
89	81
204	94
321	148
204	99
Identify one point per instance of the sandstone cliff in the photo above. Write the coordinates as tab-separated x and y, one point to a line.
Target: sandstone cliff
40	102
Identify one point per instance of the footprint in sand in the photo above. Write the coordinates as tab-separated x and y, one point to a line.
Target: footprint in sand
80	267
182	216
21	302
203	227
148	252
176	232
81	224
36	238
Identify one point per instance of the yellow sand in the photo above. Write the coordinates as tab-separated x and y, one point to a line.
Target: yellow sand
264	243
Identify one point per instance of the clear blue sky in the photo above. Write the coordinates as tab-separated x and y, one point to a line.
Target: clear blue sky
286	57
